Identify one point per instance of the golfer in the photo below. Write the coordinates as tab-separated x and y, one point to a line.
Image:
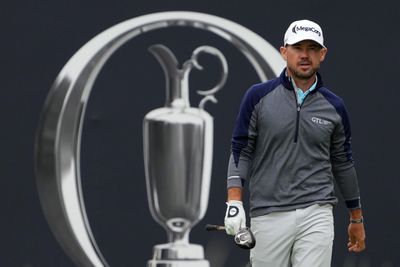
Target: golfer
291	140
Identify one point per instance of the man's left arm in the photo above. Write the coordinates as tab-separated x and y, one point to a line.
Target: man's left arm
346	177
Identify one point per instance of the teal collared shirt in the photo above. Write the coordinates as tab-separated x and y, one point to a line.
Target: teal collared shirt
300	94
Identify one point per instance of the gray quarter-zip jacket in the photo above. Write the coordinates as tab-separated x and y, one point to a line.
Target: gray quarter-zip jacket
291	153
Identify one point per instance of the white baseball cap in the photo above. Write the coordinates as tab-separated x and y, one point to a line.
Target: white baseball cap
303	30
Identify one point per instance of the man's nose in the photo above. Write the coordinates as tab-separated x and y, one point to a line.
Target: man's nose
304	53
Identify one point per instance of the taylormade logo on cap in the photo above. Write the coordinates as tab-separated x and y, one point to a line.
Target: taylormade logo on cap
303	30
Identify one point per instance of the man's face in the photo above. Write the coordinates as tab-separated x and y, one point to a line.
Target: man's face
303	58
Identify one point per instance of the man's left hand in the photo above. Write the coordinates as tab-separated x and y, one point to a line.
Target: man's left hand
356	237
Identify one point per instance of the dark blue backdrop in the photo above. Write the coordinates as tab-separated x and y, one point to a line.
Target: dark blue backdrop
41	36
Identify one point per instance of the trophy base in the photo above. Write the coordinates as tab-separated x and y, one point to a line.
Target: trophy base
178	263
178	255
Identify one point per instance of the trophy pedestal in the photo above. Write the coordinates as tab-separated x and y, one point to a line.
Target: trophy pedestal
178	263
178	255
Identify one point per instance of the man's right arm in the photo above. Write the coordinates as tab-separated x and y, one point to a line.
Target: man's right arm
243	143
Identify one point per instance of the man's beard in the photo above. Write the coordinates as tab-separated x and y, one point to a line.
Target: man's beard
301	75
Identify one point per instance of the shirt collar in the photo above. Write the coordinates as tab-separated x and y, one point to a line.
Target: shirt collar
312	87
288	85
300	95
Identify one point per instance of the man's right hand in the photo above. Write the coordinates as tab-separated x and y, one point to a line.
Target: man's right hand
235	217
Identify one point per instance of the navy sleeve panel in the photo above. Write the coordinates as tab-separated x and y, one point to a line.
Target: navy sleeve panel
353	204
338	103
344	171
252	97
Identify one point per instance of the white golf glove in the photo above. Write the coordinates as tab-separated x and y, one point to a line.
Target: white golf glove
235	217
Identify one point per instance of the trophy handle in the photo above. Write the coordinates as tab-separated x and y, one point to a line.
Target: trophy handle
224	73
207	98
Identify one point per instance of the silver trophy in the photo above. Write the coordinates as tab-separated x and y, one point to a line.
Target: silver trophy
178	142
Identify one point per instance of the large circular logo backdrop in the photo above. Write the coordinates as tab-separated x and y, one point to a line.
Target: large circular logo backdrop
58	138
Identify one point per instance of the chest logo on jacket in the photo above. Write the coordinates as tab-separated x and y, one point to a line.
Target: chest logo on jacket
320	121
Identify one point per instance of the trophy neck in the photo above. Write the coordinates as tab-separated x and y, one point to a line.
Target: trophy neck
176	79
177	90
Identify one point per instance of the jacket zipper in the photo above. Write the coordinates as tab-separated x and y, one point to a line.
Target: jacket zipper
297	122
296	133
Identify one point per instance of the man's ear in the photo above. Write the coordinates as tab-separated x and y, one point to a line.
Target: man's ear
323	53
283	51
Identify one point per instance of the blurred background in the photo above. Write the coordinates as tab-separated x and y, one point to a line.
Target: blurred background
41	36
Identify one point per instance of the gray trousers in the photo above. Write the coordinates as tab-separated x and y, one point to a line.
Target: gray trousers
298	238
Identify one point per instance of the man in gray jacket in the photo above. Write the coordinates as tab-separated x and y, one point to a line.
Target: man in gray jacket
291	139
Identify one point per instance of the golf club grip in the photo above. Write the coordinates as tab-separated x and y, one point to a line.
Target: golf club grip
213	227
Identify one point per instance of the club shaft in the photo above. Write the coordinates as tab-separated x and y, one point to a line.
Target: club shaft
213	227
